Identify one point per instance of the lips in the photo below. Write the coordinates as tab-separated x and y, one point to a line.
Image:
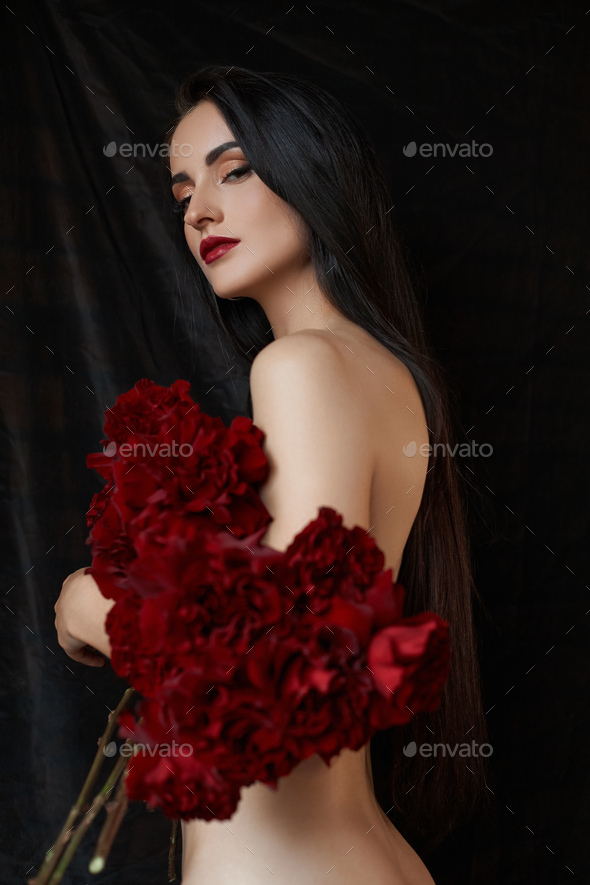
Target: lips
213	247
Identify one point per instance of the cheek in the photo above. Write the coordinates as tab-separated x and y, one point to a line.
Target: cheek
269	227
252	211
282	243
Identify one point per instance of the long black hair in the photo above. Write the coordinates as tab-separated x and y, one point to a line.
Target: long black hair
308	149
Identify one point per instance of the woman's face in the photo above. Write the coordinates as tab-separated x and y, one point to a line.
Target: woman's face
222	197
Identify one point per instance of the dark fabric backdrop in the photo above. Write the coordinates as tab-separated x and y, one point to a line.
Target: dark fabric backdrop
92	304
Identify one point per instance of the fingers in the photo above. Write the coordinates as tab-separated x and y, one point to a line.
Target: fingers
94	661
84	655
90	658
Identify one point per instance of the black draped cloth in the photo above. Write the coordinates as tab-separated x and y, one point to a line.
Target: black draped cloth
93	302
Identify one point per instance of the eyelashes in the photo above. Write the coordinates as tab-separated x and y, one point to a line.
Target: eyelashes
181	206
241	169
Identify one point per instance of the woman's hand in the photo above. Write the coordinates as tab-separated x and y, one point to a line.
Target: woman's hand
80	613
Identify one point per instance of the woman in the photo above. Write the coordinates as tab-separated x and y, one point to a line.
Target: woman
287	227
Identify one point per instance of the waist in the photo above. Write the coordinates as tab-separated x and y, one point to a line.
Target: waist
296	841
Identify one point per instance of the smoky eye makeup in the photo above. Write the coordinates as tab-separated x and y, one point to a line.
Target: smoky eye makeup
240	171
233	174
181	205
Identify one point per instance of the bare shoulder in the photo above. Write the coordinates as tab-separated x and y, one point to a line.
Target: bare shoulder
362	361
302	375
308	349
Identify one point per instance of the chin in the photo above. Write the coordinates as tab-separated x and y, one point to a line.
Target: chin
227	296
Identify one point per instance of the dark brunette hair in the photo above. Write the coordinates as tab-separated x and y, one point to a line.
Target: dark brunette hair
307	148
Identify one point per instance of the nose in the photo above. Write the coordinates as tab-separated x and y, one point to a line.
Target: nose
200	211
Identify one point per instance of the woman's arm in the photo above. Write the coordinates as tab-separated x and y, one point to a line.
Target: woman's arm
320	454
317	442
80	614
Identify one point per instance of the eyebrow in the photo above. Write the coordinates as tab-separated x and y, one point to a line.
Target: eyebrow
211	157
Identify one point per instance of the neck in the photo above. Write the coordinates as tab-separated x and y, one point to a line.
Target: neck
294	302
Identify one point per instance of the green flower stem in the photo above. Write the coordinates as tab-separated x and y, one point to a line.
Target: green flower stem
115	814
99	800
54	854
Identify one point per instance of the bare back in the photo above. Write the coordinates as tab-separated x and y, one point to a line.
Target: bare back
385	393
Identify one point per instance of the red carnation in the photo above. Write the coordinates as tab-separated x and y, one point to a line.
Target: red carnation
163	451
112	550
146	408
326	557
410	662
98	505
187	590
251	658
173	771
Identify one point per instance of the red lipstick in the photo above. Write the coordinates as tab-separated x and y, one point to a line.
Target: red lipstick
214	247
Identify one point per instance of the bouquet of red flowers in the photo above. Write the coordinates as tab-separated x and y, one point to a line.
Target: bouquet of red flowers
247	659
